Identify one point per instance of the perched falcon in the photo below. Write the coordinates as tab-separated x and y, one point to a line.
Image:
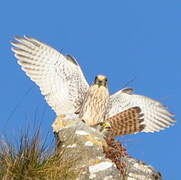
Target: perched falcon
66	90
94	105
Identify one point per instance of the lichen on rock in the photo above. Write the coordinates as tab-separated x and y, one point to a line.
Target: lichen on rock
98	157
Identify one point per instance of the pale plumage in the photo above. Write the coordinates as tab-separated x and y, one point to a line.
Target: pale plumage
93	109
66	90
59	77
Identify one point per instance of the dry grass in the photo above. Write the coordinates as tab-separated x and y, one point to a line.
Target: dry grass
32	161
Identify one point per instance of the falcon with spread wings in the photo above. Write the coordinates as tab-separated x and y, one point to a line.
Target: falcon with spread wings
66	90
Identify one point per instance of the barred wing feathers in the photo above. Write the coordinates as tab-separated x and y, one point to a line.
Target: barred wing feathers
59	76
156	116
129	121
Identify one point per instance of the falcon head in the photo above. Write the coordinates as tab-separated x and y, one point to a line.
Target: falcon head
101	80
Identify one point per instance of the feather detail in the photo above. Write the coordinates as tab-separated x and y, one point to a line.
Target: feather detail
129	121
59	77
156	116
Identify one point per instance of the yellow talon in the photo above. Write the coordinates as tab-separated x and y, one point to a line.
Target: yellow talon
105	128
106	125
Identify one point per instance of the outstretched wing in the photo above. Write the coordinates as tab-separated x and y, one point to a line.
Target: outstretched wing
59	76
156	116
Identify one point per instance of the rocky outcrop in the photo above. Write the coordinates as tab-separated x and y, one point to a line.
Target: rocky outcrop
97	157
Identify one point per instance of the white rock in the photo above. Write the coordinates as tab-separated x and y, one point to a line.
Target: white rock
88	143
72	146
100	167
80	132
108	178
92	176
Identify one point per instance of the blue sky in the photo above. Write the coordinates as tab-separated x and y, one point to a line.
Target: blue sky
124	40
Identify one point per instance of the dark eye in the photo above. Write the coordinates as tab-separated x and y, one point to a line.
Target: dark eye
106	79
